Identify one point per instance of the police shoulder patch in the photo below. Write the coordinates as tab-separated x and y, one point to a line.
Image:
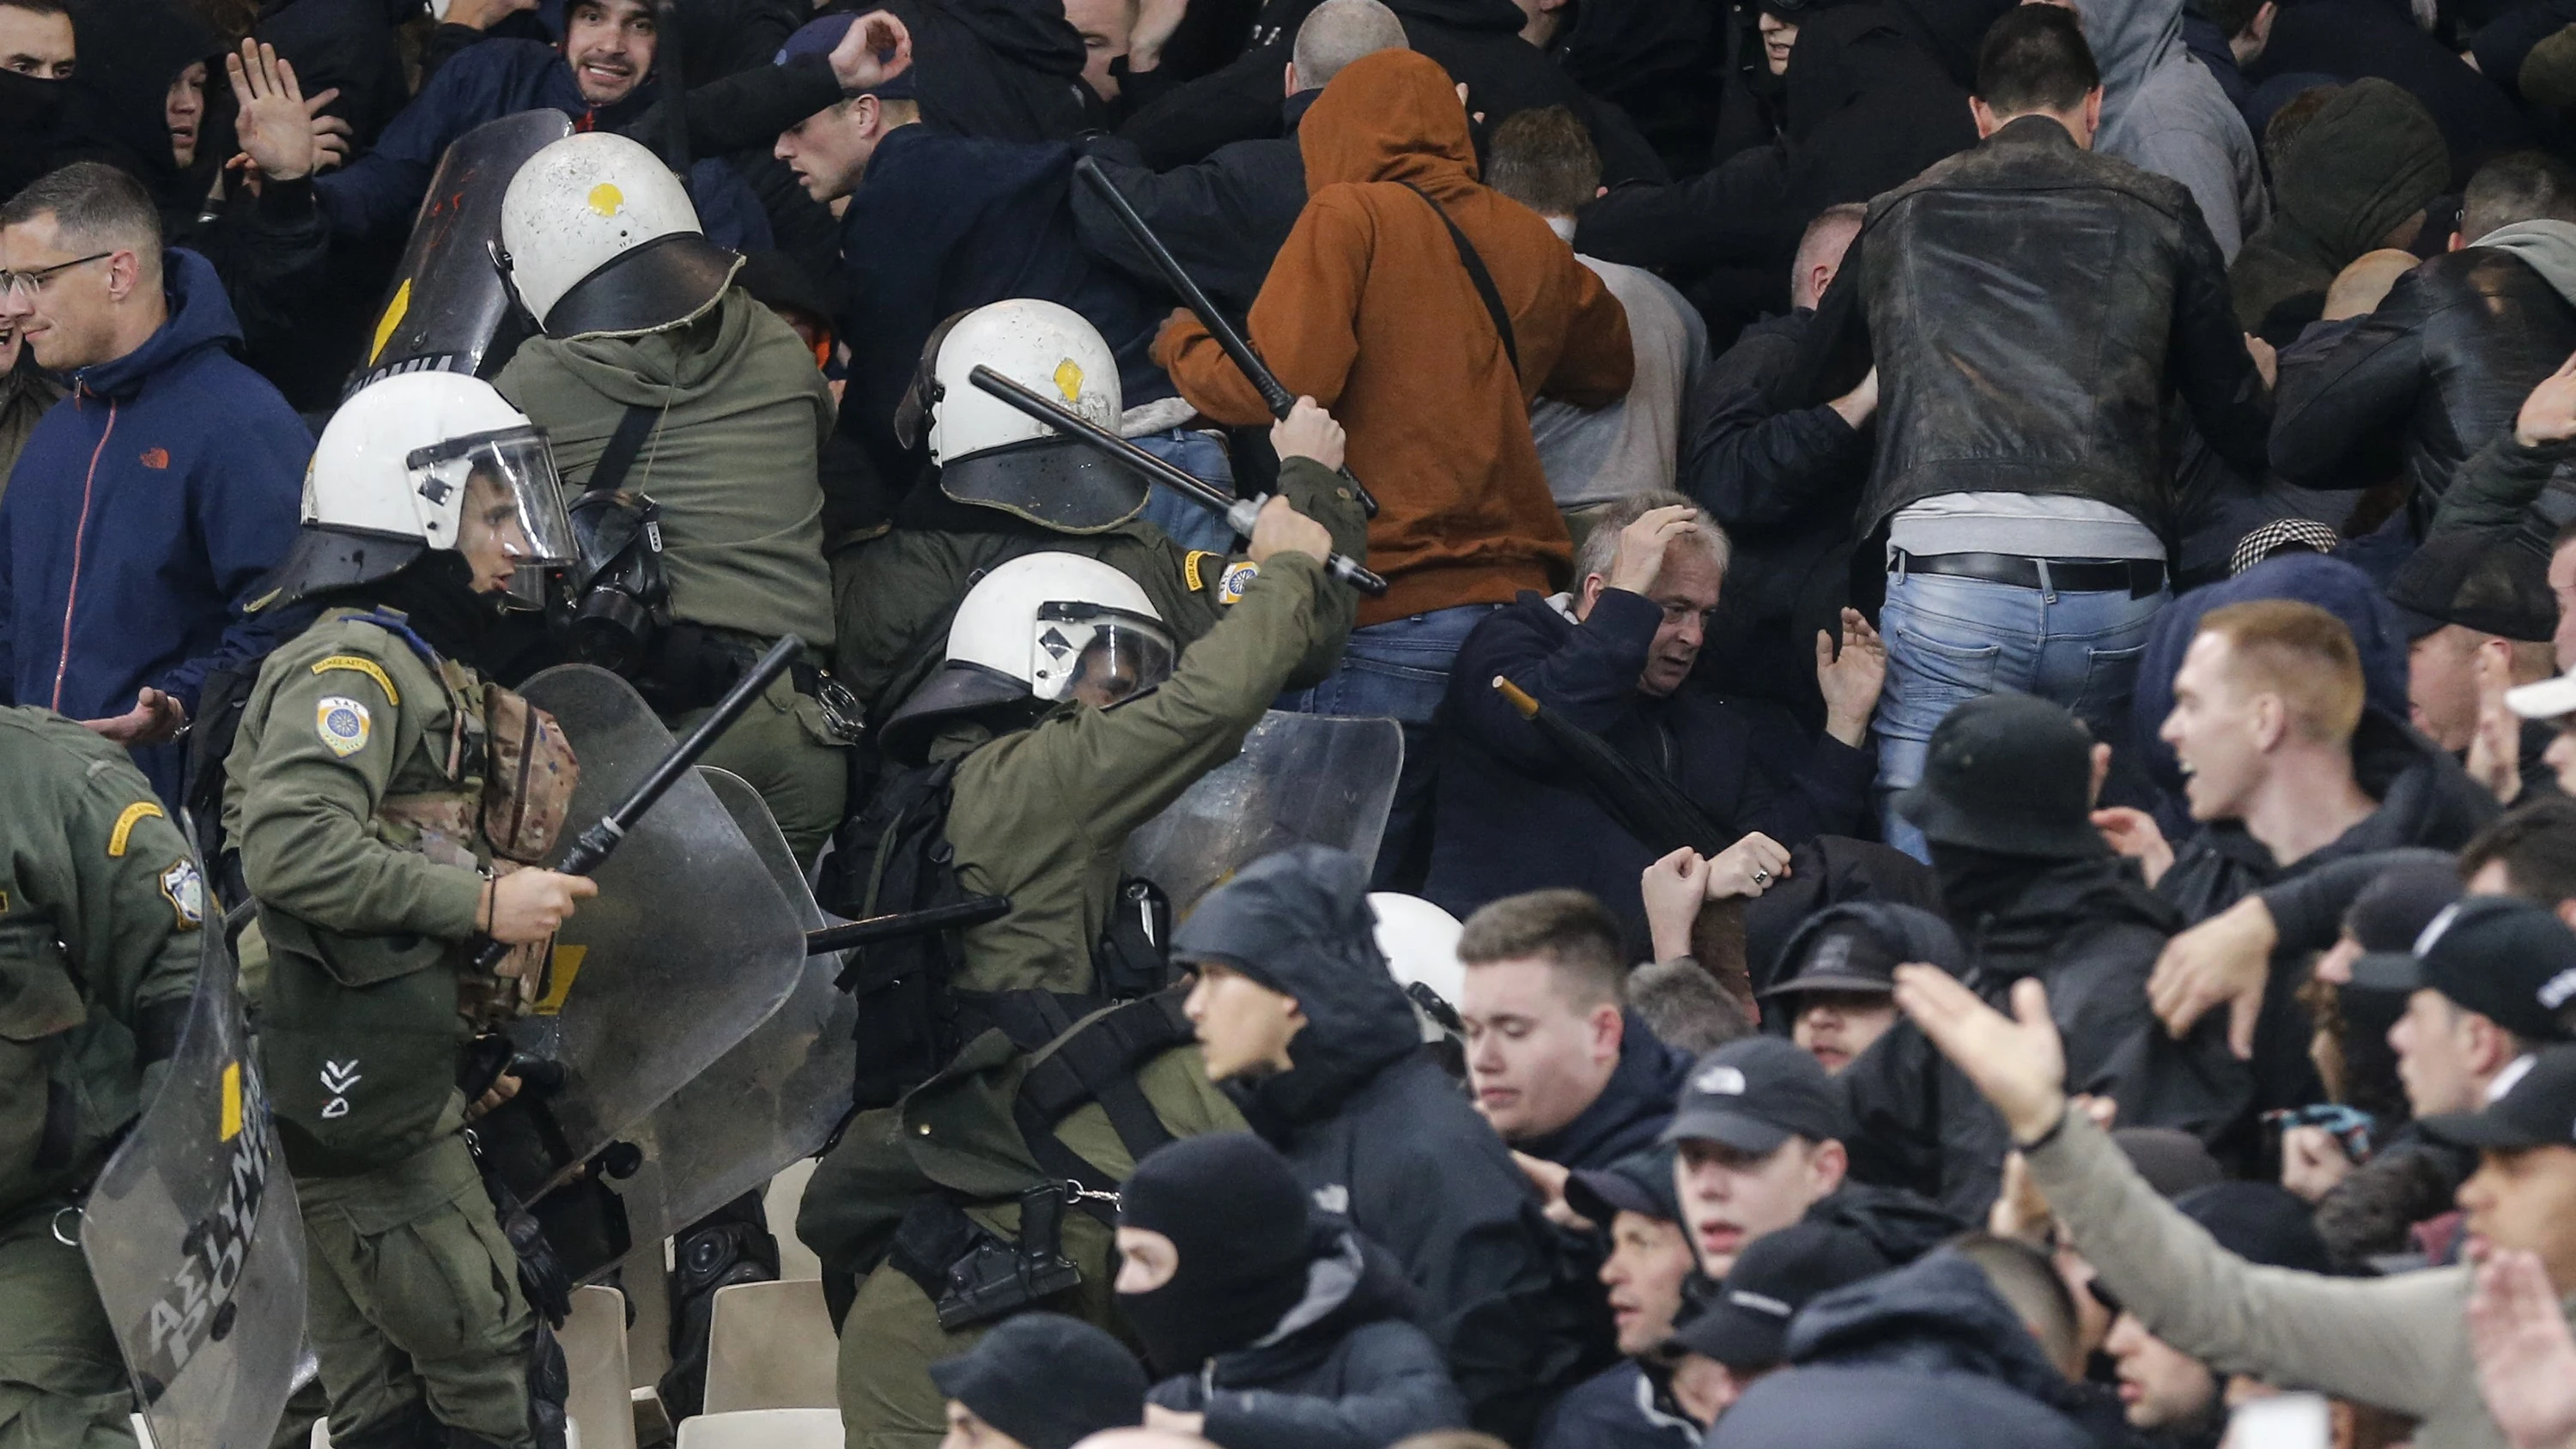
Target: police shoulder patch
186	892
341	723
1238	577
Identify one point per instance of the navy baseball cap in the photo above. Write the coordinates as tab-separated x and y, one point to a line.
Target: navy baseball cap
1640	1183
822	37
1746	1325
1754	1094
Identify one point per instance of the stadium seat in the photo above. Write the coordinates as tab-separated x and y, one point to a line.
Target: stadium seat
771	1346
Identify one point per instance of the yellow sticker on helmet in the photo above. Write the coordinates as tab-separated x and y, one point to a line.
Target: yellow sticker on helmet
1068	380
395	311
605	198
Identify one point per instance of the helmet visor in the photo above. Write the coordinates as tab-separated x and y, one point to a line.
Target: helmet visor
511	505
1097	654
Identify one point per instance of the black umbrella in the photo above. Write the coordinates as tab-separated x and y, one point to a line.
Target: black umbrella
1647	803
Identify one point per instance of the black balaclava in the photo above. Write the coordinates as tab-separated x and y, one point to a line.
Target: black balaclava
1238	1217
1977	883
436	593
30	117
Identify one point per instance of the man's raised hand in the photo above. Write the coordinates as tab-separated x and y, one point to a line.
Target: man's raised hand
2019	1064
1642	545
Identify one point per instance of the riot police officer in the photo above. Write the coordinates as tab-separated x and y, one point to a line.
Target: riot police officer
1062	717
386	801
660	382
100	909
1002	484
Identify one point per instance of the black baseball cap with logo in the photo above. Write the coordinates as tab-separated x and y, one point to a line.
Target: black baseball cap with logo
1746	1322
2507	959
1754	1094
2532	1103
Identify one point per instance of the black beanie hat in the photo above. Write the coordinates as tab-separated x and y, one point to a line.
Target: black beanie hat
1046	1380
1239	1220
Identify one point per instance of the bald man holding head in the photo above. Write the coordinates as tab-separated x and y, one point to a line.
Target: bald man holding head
1224	218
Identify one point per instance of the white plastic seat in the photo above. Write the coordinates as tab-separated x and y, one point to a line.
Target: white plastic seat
763	1428
771	1346
786	1194
594	1347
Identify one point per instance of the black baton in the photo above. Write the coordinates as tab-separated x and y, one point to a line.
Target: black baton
1239	512
601	839
1274	394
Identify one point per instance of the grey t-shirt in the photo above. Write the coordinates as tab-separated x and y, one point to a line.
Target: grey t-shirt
1632	445
2030	525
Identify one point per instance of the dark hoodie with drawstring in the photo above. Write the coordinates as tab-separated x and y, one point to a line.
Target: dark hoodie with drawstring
1344	1368
1928	1357
1379	1135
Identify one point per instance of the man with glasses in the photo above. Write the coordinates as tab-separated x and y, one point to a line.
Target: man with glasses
1615	656
147	503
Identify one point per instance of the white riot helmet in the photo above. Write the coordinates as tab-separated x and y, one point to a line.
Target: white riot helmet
599	240
1420	943
395	472
1044	627
992	454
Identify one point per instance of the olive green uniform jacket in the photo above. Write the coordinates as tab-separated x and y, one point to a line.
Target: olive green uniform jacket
1042	815
100	906
743	416
731	461
898	590
367	937
101	910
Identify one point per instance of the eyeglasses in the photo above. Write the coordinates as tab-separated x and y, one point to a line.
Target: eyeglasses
34	282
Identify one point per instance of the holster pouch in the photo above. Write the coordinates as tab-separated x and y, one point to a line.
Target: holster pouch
974	1276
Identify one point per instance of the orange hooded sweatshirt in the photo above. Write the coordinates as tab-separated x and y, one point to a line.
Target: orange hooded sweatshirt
1369	311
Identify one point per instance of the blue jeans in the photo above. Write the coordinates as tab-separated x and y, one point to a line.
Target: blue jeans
1951	640
1398	670
1189	524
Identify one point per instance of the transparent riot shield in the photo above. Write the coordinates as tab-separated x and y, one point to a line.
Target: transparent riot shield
450	309
193	1239
688	946
771	1100
1302	779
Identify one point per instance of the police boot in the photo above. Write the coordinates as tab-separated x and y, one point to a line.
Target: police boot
728	1246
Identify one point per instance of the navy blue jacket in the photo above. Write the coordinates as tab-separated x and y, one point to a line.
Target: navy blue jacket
1634	1107
377	194
1927	1357
1512	817
1617	1408
146	505
942	223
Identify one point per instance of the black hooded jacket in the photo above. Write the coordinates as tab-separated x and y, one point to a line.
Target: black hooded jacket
1379	1134
1915	1121
1345	1368
1928	1357
2089	930
1867	108
2425	799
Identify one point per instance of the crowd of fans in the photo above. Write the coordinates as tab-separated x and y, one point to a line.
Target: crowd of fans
2019	558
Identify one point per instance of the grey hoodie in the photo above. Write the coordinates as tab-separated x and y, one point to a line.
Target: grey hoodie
2547	247
2162	111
